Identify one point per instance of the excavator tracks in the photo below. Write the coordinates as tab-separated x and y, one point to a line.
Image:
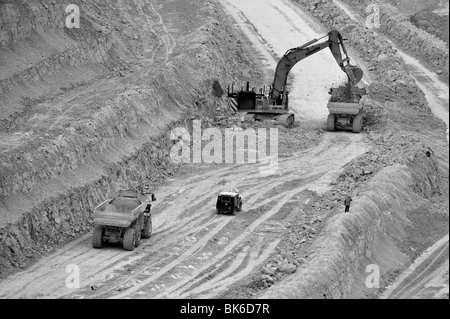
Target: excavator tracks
287	119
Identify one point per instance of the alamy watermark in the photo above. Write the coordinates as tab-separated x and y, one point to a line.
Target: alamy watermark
73	279
373	279
73	18
261	147
373	16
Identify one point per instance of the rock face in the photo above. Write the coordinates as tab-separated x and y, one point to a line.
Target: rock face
66	216
114	135
19	18
37	47
432	23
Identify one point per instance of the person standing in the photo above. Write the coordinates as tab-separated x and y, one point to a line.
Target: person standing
347	202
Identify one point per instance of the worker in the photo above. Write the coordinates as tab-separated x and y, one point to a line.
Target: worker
347	202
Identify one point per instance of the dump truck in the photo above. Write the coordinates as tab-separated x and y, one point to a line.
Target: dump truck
125	217
274	105
346	109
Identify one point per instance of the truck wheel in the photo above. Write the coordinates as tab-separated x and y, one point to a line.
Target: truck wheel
147	231
240	207
290	121
357	123
330	122
249	117
138	237
97	237
129	239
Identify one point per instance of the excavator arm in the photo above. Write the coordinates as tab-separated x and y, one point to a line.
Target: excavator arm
292	56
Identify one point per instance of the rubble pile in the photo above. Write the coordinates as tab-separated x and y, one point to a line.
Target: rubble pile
346	94
432	23
293	250
290	140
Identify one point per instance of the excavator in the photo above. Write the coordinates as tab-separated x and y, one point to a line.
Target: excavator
274	105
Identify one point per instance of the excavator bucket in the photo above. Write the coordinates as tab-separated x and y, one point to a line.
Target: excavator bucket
354	74
358	73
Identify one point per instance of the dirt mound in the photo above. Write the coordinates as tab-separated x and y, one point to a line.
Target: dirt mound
348	242
398	27
432	23
410	7
347	94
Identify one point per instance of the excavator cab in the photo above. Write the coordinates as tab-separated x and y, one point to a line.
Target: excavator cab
246	100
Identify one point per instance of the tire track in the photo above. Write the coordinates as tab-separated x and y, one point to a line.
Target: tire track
185	214
199	246
417	270
201	226
252	260
280	200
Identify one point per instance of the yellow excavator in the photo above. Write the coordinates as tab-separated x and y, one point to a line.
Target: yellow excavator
260	106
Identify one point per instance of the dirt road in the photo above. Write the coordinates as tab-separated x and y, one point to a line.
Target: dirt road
194	252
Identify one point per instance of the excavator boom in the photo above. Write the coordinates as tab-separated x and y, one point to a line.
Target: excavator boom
293	56
274	105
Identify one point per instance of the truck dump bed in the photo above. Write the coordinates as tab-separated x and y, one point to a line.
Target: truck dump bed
346	101
344	108
120	211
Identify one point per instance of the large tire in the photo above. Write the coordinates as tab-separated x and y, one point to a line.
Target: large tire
147	231
291	120
330	122
249	117
138	235
240	207
357	123
129	239
97	237
138	229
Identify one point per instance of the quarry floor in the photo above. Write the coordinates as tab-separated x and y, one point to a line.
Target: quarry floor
195	253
